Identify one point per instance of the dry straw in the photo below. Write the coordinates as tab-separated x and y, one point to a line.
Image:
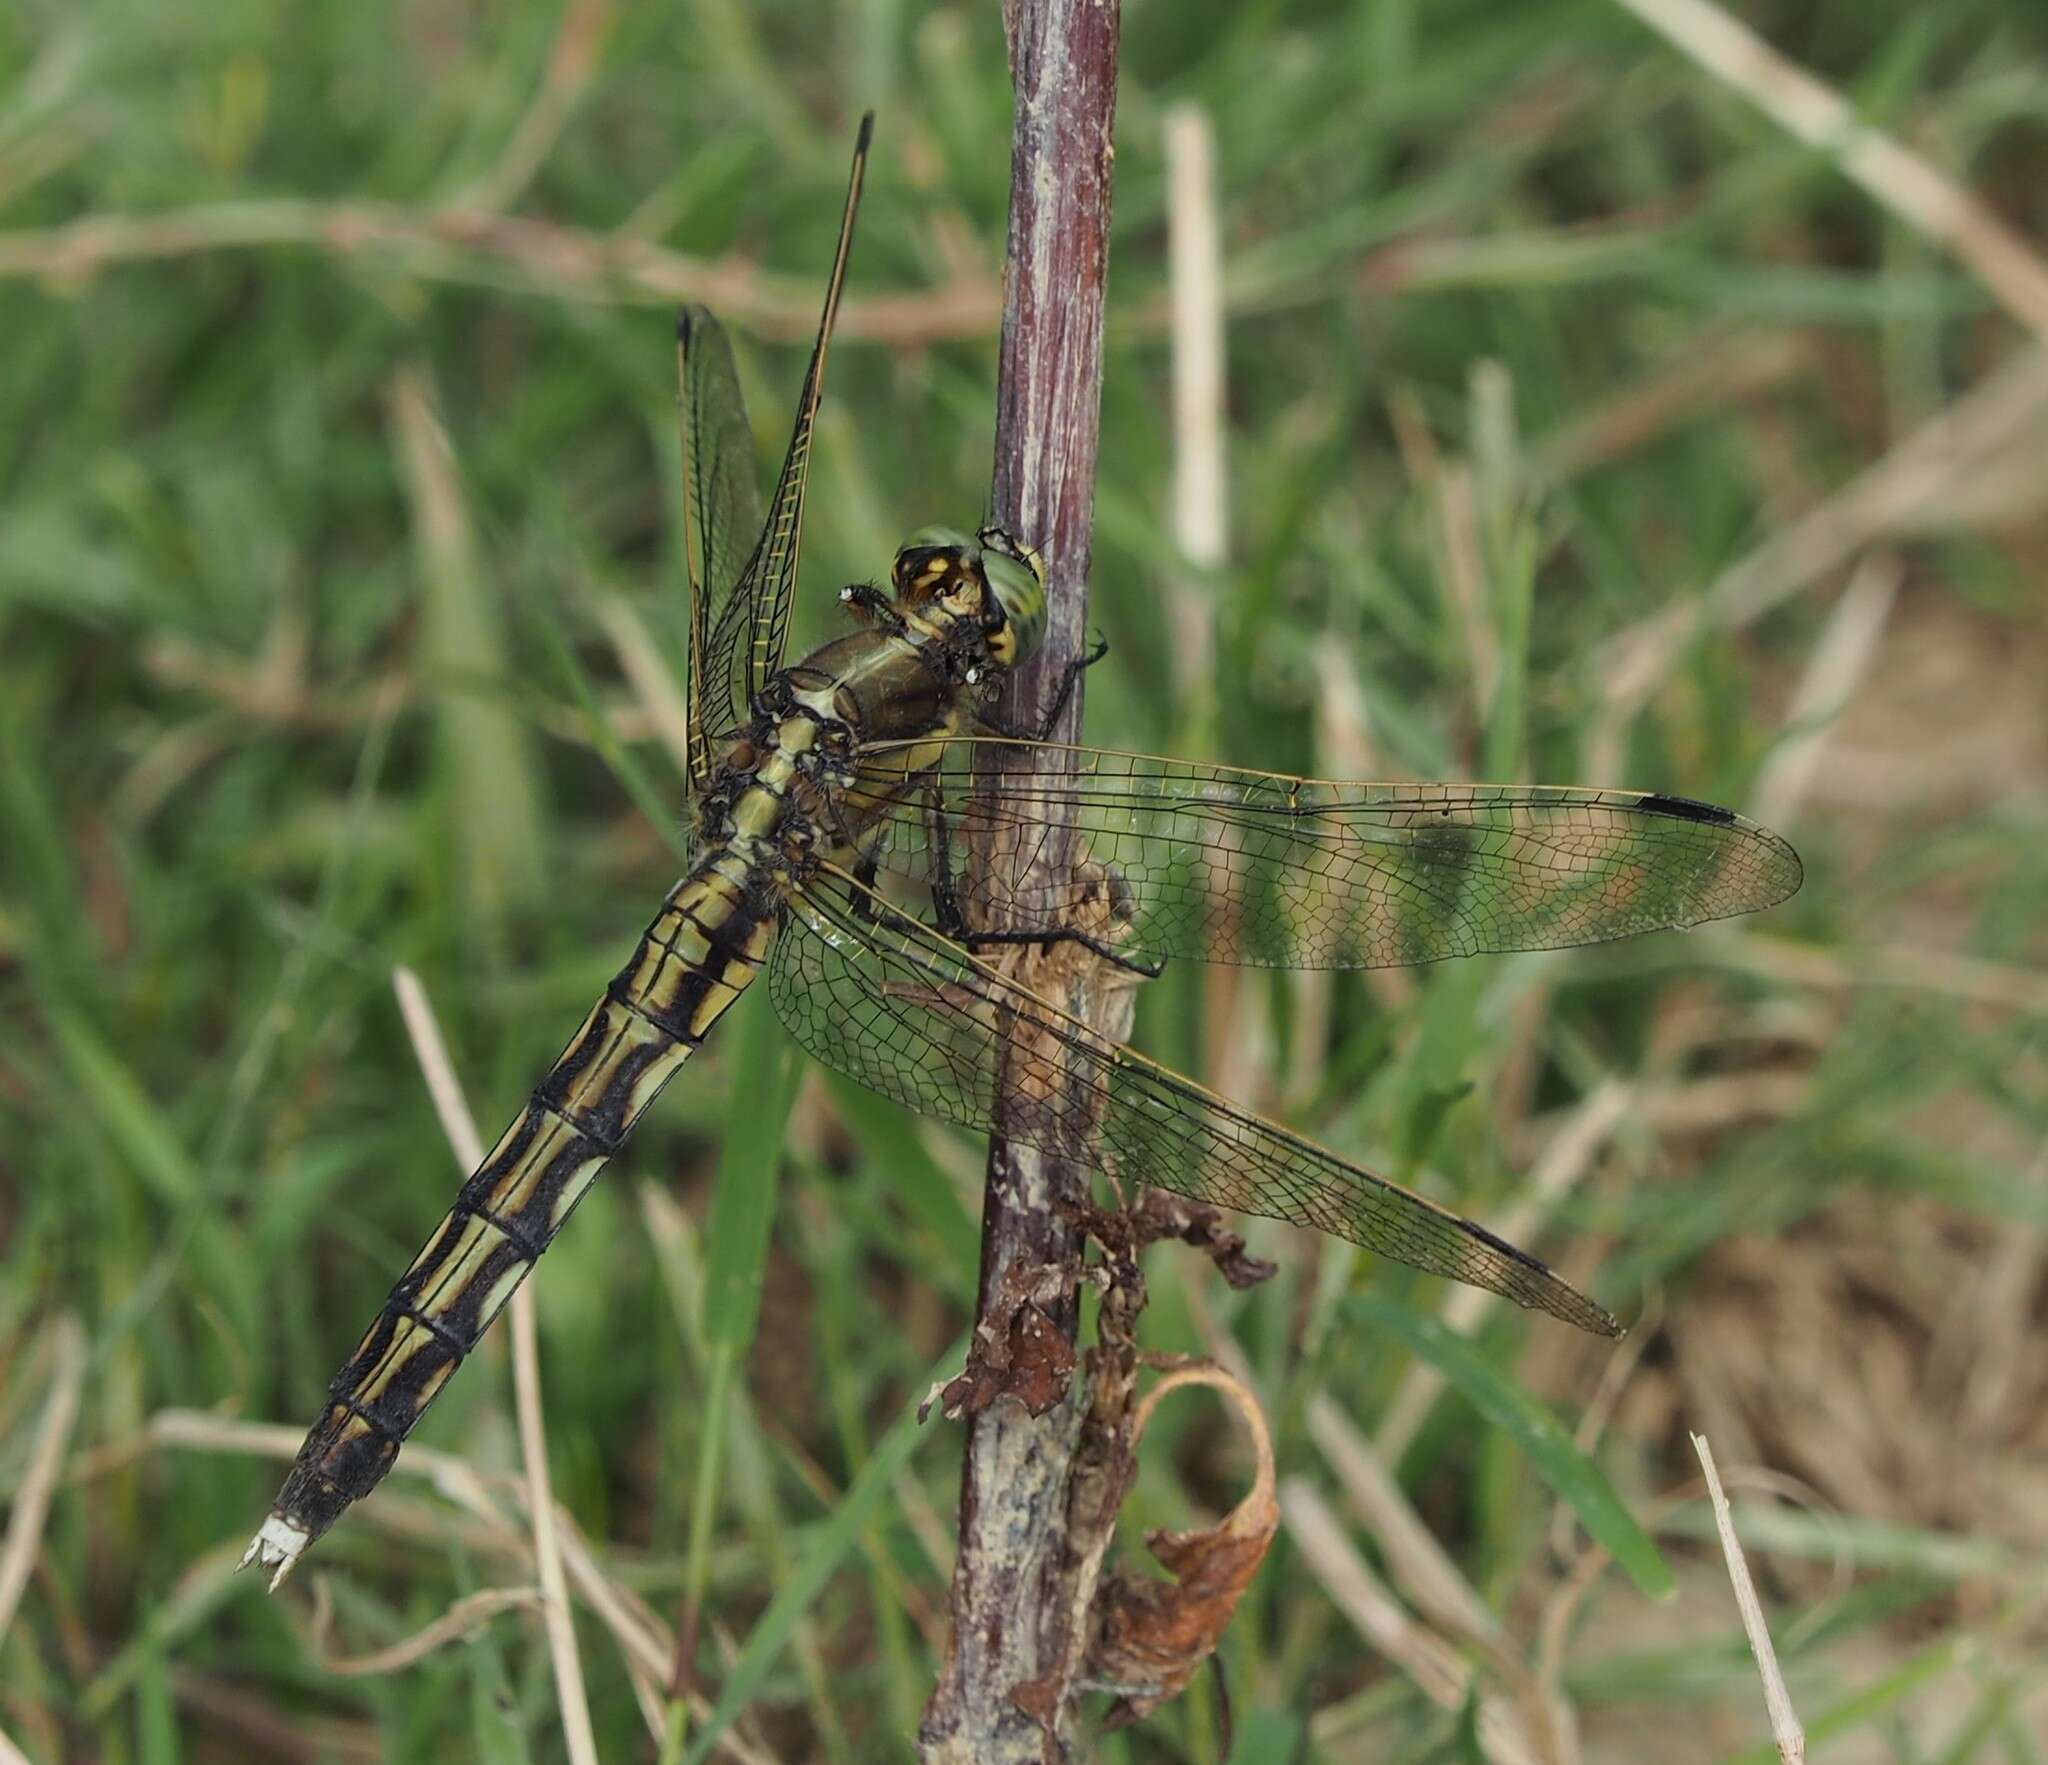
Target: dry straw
460	1128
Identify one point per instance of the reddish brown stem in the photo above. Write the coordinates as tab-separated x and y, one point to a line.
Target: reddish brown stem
1013	1608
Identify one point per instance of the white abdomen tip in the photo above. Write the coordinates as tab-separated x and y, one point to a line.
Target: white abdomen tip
278	1545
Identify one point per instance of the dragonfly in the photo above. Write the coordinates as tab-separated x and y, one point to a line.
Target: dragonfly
843	811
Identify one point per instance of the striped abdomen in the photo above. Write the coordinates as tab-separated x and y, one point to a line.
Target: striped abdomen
703	948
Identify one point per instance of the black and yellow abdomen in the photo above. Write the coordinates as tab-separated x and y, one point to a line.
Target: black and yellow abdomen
702	950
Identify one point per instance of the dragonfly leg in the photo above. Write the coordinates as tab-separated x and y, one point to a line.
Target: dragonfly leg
866	601
1046	724
865	873
1064	934
939	840
938	833
953	922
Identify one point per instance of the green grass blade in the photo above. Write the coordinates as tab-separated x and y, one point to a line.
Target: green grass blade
831	1545
736	1250
633	777
1558	1461
736	1262
121	1106
490	778
888	1137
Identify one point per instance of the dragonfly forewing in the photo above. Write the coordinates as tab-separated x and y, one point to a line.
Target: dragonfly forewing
1225	864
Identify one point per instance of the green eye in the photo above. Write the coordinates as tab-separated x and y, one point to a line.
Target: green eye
1021	595
926	557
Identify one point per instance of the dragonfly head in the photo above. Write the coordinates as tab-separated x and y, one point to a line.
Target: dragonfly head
991	581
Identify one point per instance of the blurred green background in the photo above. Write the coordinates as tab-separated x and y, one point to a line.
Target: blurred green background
1581	426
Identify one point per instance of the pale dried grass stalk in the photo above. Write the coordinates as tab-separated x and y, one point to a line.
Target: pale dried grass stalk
571	62
1785	1729
1424	1571
1420	1566
460	1128
653	684
1836	667
457	1124
1201	515
1917	192
1439	1671
53	1432
473	245
555	1608
1973	464
468	1614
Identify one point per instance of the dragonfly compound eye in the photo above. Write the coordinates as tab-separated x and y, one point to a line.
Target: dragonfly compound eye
931	558
1020	594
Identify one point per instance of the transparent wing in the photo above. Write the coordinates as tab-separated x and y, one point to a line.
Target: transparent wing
722	512
1220	864
892	1003
749	627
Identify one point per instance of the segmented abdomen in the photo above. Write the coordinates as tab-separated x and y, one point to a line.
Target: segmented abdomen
702	950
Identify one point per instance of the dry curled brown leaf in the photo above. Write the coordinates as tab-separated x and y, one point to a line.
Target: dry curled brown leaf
1151	1637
